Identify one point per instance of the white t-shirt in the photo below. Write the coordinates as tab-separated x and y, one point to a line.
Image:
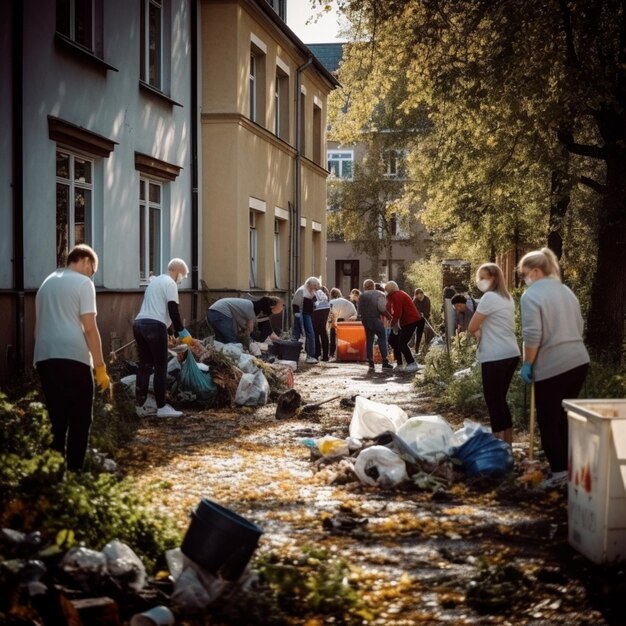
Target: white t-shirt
159	292
497	333
343	309
62	298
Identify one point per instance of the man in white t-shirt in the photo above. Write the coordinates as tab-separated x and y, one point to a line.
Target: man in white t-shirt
67	345
158	310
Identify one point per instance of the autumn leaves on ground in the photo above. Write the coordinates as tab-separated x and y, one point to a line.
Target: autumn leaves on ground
340	552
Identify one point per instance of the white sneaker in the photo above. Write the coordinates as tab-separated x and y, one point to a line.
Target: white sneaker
168	411
311	359
145	410
556	481
411	367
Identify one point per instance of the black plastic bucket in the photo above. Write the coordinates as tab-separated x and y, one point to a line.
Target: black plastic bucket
220	540
288	350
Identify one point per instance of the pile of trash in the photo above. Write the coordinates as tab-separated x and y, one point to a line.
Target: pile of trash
387	448
210	374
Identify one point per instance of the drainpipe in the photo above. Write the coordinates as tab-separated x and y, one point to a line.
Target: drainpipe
18	185
298	173
194	159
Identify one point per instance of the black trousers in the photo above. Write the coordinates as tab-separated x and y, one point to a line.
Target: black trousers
400	344
419	331
552	417
497	376
68	388
320	319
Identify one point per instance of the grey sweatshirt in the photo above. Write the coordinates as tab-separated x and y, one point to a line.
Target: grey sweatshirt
371	304
552	322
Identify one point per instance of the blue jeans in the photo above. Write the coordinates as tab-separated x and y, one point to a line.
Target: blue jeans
151	338
296	331
375	327
223	327
68	388
307	322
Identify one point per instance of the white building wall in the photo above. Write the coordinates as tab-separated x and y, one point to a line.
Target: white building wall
110	104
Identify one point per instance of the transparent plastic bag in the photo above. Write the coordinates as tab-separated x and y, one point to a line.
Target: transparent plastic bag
253	390
124	566
378	465
430	437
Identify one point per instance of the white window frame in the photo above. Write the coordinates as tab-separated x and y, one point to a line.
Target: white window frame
394	167
73	185
277	255
277	105
254	249
157	82
341	157
146	206
252	86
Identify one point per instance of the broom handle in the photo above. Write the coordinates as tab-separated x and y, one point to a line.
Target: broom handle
531	448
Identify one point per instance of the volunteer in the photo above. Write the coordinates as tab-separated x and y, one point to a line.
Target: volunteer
371	306
403	322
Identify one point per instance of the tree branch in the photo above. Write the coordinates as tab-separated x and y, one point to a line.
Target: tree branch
592	184
594	152
569	35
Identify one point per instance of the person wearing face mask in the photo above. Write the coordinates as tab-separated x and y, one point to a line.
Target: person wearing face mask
158	310
493	325
555	357
422	304
67	346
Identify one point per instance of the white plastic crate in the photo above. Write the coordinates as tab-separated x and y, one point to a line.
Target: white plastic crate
597	478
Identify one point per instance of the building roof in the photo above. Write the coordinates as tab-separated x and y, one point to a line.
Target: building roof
328	54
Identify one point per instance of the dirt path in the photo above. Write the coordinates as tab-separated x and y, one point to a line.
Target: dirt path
473	555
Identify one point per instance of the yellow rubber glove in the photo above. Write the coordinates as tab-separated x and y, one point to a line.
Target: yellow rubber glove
102	378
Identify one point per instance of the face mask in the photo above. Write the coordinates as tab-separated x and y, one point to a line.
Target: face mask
179	279
483	284
528	280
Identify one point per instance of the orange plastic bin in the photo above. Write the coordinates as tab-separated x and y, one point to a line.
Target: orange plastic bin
350	341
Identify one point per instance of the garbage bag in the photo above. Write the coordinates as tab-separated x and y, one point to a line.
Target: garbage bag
253	390
378	465
193	379
85	567
371	418
124	566
483	454
430	437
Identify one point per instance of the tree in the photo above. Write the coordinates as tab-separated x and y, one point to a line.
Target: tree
526	135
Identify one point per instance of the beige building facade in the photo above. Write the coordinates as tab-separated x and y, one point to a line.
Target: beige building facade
263	161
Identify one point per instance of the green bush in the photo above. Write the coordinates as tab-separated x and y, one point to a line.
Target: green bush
36	493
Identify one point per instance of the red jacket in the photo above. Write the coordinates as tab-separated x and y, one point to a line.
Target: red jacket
401	307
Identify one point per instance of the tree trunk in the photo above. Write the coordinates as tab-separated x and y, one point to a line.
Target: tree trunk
605	322
559	203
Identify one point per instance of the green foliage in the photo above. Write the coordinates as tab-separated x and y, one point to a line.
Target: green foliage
428	275
315	584
605	381
36	493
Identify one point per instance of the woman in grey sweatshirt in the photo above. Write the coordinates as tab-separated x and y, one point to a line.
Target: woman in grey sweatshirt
555	357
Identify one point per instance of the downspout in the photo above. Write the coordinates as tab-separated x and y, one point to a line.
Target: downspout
194	159
298	173
18	184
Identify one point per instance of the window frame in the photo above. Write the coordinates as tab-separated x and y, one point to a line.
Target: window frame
253	242
146	206
71	34
145	41
72	185
340	160
277	253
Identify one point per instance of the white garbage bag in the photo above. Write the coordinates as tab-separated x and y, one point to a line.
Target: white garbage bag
371	418
430	437
378	465
253	390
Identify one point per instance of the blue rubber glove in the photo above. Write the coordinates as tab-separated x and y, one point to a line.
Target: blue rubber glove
297	315
526	373
185	336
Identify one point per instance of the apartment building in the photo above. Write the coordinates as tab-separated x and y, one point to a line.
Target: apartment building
153	129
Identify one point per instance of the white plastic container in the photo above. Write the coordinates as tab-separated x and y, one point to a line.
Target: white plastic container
597	478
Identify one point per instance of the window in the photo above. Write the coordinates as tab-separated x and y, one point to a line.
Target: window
316	252
340	163
252	80
302	123
317	135
151	57
281	102
74	193
394	164
256	82
277	254
75	20
280	6
150	210
254	249
347	275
